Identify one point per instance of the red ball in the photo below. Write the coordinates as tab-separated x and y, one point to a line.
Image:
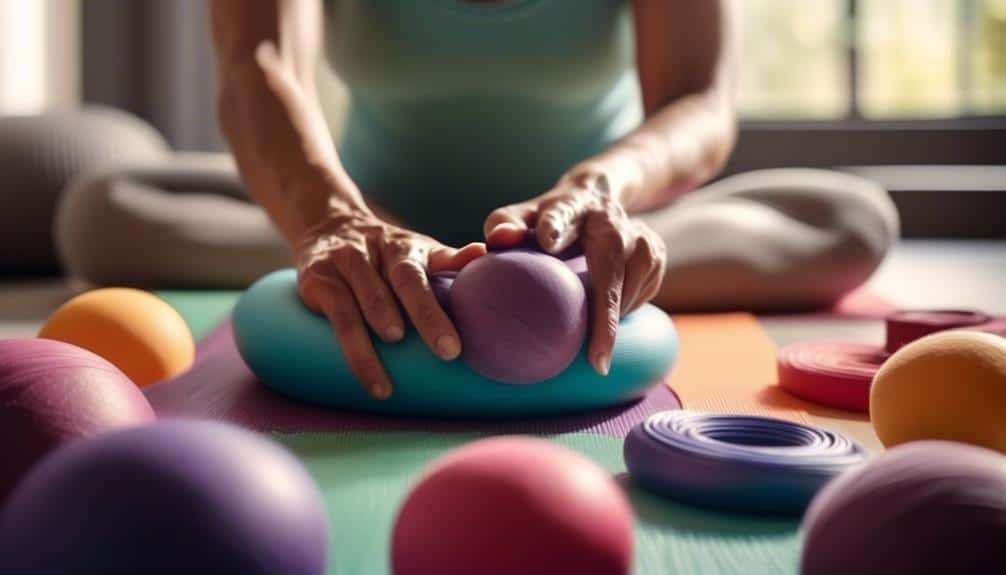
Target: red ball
52	393
513	505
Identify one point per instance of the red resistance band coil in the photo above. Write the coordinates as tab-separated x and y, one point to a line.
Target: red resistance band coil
839	373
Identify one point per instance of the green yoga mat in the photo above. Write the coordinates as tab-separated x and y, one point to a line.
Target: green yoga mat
365	476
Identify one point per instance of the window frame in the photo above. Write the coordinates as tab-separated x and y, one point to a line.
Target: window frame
855	141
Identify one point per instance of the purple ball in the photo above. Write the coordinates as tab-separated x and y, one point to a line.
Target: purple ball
922	507
168	498
52	393
522	316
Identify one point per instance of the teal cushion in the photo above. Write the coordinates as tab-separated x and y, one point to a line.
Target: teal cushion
293	351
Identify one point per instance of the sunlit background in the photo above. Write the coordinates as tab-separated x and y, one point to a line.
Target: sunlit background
803	59
876	59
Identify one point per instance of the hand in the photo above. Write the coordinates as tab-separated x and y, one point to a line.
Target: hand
354	268
626	258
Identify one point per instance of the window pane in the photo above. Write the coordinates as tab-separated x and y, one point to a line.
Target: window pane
989	62
909	58
793	63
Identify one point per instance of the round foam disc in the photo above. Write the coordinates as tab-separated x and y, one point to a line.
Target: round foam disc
294	352
736	462
907	326
835	373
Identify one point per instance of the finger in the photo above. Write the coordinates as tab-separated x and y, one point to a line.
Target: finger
408	280
605	249
647	290
374	297
342	312
652	287
445	258
507	226
558	223
640	271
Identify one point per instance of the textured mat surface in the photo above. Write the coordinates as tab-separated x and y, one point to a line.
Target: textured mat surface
365	477
220	386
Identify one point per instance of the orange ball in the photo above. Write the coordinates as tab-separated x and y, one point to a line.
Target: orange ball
950	385
135	330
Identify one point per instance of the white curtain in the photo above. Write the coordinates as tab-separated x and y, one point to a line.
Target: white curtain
39	55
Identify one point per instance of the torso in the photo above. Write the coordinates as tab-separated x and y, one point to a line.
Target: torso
459	108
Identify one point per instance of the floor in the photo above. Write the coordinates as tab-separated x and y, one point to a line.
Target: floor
918	274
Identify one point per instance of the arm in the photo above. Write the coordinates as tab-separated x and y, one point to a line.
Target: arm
686	56
270	114
352	266
685	61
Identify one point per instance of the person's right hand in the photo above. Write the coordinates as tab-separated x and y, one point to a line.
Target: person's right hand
354	268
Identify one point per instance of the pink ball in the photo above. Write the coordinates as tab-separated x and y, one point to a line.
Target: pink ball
52	393
522	316
921	507
513	505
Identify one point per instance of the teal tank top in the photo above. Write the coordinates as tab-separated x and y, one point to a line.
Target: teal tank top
459	108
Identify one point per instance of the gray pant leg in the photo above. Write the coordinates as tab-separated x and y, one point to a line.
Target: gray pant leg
773	240
184	223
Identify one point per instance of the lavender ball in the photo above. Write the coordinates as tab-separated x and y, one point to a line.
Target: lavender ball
522	315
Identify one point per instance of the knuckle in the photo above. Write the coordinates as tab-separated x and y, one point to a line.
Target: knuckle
427	315
344	326
350	256
405	271
611	236
376	299
612	297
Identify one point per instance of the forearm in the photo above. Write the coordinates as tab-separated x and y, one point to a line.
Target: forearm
270	115
283	149
674	151
685	55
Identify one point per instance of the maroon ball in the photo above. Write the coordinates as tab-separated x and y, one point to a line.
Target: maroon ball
921	507
522	316
52	393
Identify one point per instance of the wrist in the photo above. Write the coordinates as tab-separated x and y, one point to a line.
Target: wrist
321	197
615	173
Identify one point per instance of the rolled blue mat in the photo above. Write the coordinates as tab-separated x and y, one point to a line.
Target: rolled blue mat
294	352
736	462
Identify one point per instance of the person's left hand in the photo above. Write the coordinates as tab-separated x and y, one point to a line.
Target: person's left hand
625	257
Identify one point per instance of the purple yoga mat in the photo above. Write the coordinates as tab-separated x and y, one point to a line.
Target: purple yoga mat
220	386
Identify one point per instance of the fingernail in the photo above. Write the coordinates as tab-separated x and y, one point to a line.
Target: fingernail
381	390
603	364
394	333
448	347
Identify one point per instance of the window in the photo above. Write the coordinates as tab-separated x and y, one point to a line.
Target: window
39	44
22	56
873	59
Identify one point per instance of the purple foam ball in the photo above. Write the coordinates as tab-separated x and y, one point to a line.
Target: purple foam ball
522	316
922	507
167	498
441	284
52	393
